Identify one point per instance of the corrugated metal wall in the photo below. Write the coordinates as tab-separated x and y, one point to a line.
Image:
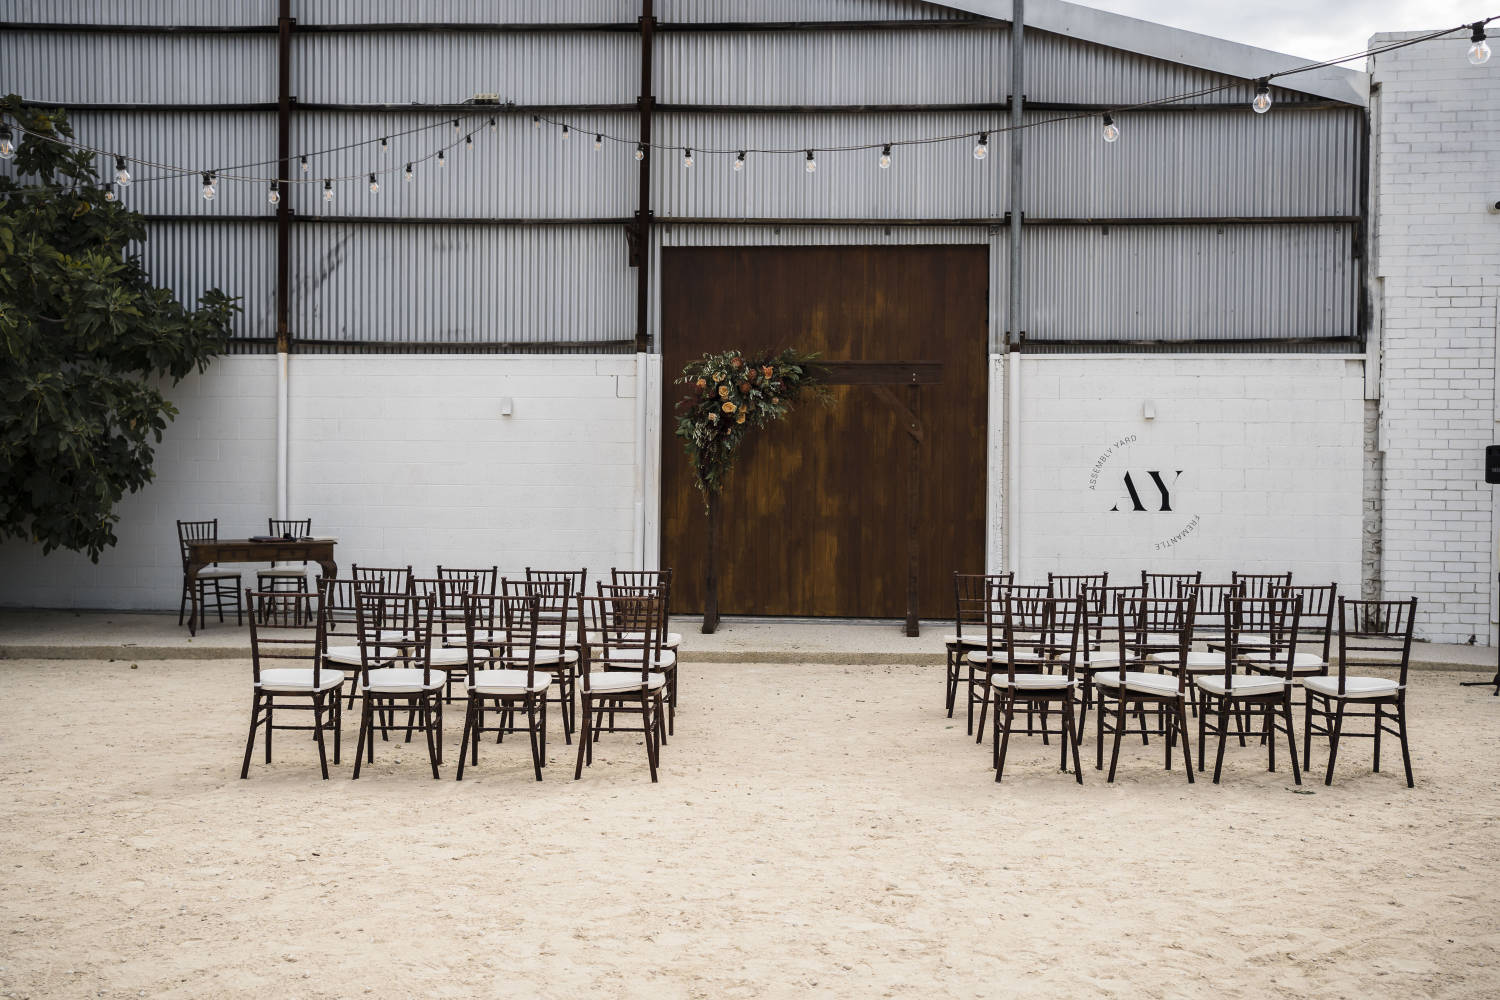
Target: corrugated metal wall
401	271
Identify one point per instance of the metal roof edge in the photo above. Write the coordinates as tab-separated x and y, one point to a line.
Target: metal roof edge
1177	45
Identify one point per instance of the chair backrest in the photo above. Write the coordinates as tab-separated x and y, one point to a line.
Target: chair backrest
1260	584
447	598
1064	626
394	630
1274	621
1211	614
1153	617
1071	585
1375	634
558	610
1168	584
971	595
641	577
338	605
286	630
483	581
1021	607
195	531
1315	627
622	633
661	592
502	633
1103	607
378	580
281	527
577	579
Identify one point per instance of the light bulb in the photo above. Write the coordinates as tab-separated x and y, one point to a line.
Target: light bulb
208	187
565	131
328	190
982	147
385	144
885	157
598	141
304	164
275	196
109	192
812	164
1111	130
739	161
469	143
687	157
408	171
536	121
122	176
7	147
1262	102
1479	51
455	126
493	127
442	160
374	185
640	152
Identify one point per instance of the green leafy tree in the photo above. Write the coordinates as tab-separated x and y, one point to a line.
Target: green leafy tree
86	343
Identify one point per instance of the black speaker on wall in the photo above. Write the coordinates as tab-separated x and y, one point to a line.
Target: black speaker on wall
1492	463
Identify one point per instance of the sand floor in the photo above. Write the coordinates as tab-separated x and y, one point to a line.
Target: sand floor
818	832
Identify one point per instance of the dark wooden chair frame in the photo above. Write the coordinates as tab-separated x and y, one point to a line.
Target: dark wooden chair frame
505	627
1027	630
560	621
223	586
623	633
1102	604
1281	616
1136	619
280	528
1260	584
1061	616
382	580
379	614
969	600
286	629
663	592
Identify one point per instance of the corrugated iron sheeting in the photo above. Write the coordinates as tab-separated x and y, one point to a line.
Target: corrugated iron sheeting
465	11
1172	163
192	257
456	283
516	171
102	68
599	67
934	181
152	12
919	66
710	11
1189	282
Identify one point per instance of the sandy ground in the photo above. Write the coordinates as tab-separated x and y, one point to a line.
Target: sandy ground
818	832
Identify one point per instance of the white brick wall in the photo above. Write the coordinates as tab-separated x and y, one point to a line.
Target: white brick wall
405	459
1269	448
1437	264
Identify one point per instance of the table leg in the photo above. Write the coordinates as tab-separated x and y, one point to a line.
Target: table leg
329	567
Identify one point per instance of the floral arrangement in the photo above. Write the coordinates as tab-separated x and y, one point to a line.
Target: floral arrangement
730	394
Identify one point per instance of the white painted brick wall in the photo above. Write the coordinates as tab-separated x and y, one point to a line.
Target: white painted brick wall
1270	450
405	459
1437	255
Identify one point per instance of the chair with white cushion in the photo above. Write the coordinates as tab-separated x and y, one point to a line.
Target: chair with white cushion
1029	676
560	626
1314	634
222	585
396	671
985	661
662	591
450	648
1102	652
1260	584
382	579
1129	685
671	641
285	576
505	673
286	663
1372	635
969	596
625	674
1210	623
1243	696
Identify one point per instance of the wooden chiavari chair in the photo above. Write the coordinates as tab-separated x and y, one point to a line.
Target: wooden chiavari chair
662	592
286	663
1260	584
224	584
1029	678
1129	685
395	643
1247	695
278	574
1028	630
559	625
1211	613
505	672
623	675
450	648
970	596
378	580
1102	604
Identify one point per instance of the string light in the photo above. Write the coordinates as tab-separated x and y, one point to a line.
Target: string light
640	151
885	157
812	163
494	128
455	126
442	160
328	190
1262	102
304	164
122	176
982	147
536	121
208	187
1111	130
109	192
374	185
598	141
1479	51
407	172
385	144
687	157
274	197
469	143
739	161
7	147
565	132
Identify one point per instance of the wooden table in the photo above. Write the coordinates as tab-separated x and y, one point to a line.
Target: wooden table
243	550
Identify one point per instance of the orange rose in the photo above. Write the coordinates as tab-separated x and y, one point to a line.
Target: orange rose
723	392
713	418
740	419
744	387
775	400
736	362
767	371
728	407
702	383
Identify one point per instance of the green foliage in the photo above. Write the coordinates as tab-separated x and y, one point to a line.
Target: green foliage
85	341
731	395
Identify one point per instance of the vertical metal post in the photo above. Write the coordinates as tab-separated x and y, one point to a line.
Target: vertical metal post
645	101
284	24
1013	336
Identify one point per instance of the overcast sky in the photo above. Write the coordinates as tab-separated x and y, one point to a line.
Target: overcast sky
1319	29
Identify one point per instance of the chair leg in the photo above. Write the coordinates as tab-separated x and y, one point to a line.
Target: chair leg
1187	752
1378	722
1224	712
464	744
365	720
1307	700
338	724
1114	757
984	706
1203	702
1071	725
1099	733
318	732
270	706
1333	742
250	740
1268	737
583	736
1002	730
648	725
536	747
1401	728
1291	738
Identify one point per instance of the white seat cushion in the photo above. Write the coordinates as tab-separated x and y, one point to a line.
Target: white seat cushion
1138	681
349	655
298	679
1242	684
1354	687
1197	662
1302	663
1033	682
451	656
974	638
628	659
290	574
507	682
403	680
622	680
218	574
